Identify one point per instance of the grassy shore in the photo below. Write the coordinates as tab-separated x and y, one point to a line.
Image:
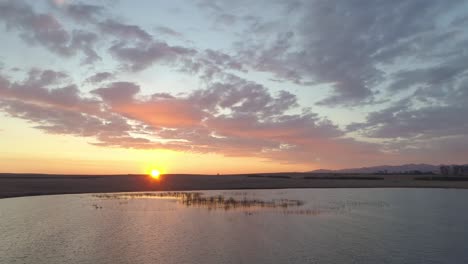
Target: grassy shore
16	185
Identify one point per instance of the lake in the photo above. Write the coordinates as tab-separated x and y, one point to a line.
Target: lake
238	226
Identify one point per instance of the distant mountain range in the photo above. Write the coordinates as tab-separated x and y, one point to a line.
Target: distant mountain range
389	169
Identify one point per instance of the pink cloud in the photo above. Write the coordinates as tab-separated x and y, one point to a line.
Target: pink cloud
238	120
170	113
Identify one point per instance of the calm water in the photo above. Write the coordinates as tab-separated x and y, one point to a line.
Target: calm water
255	226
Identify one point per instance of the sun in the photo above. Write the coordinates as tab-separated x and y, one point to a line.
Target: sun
155	174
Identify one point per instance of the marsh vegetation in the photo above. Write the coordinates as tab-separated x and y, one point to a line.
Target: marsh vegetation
198	199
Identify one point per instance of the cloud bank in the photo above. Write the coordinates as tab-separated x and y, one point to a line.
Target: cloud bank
401	64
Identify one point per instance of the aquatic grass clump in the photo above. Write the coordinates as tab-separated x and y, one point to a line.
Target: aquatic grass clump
146	195
197	199
228	201
221	202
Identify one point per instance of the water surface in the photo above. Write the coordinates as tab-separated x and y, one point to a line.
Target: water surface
245	226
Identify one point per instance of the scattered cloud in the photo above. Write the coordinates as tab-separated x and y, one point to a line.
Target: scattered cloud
401	66
83	13
100	77
45	30
168	31
233	118
123	31
140	56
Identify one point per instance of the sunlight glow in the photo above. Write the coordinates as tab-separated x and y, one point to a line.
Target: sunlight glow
155	174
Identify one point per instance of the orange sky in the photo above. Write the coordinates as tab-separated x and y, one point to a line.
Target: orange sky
25	149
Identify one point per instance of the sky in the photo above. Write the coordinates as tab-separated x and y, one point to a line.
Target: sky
220	86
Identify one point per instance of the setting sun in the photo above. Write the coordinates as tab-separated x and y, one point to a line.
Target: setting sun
155	174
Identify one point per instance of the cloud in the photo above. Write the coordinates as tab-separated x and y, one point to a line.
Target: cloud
35	28
168	31
241	97
157	112
226	20
128	44
234	118
55	121
35	89
123	31
59	2
211	65
60	110
351	46
432	109
100	77
222	60
406	61
404	122
118	92
162	96
140	56
290	129
433	77
429	125
84	41
47	31
272	57
83	13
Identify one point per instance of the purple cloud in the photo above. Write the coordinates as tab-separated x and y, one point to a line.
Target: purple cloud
47	31
123	31
118	92
83	13
406	61
140	56
240	117
168	31
100	77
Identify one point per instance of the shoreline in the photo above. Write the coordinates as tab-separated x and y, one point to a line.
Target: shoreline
24	185
200	190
